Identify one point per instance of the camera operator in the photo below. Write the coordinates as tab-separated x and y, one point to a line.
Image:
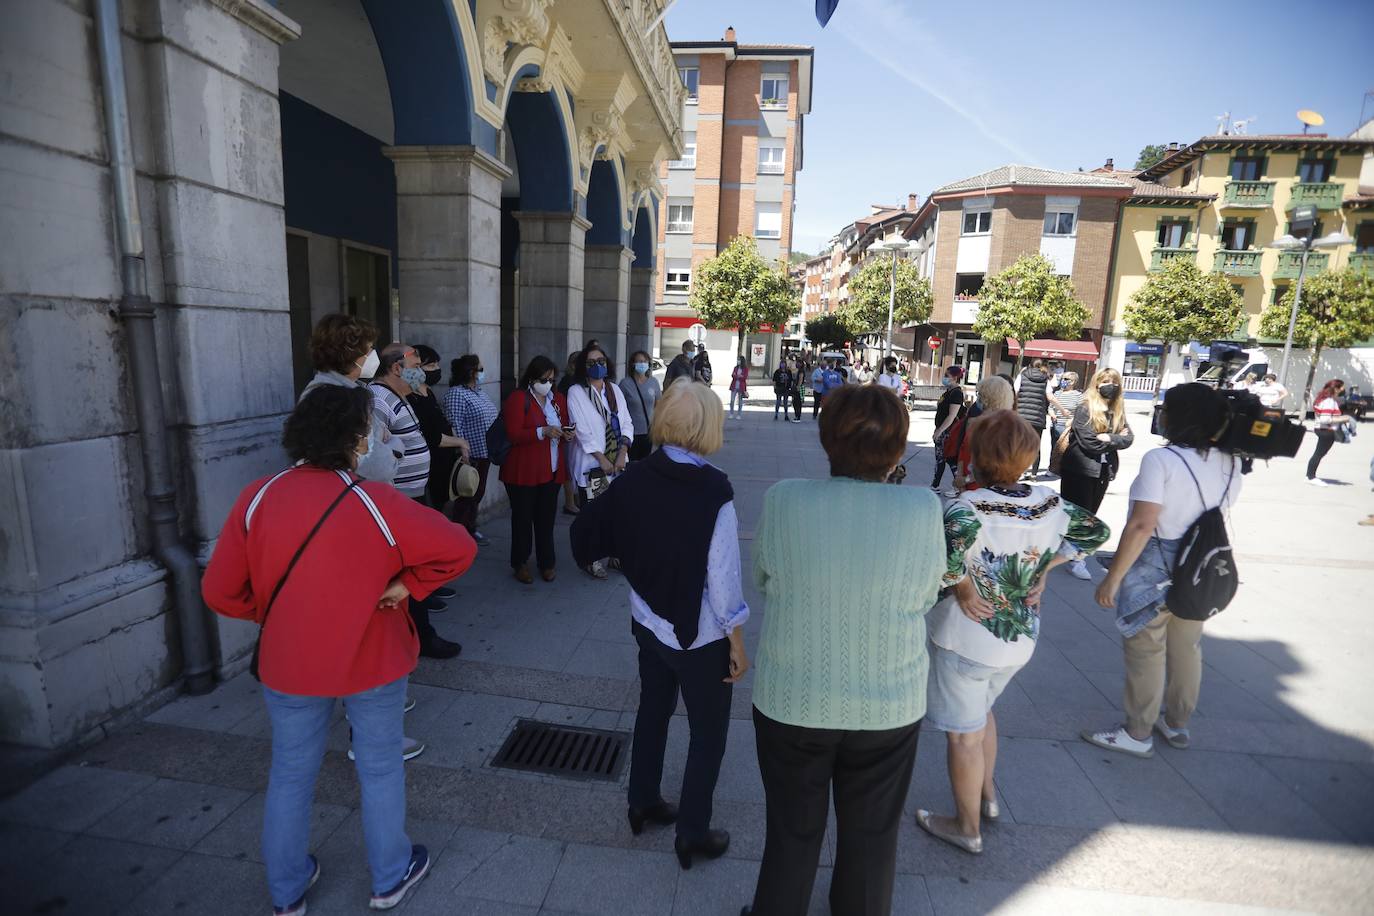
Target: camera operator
1176	484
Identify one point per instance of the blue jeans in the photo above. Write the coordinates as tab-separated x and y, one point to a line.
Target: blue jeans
300	726
737	398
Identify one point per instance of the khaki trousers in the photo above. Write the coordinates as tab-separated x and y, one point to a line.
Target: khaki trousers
1167	643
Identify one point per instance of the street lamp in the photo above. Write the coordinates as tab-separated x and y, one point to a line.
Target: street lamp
1305	245
896	246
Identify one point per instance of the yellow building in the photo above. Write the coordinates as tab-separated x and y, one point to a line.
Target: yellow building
1221	201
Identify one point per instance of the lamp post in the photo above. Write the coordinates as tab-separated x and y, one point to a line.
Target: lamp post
1305	245
896	246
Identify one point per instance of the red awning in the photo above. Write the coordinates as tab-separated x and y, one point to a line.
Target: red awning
1055	349
686	321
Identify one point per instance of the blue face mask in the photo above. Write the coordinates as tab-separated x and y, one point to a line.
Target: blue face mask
413	376
596	372
642	368
946	381
481	376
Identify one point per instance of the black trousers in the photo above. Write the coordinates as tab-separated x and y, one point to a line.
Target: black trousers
816	405
796	402
871	772
1039	440
419	614
532	513
1084	491
1325	439
699	674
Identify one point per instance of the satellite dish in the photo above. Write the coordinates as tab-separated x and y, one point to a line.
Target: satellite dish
1310	118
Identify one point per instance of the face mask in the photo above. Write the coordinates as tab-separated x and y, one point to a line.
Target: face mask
946	381
481	376
642	368
413	376
596	372
542	388
1108	392
370	364
432	376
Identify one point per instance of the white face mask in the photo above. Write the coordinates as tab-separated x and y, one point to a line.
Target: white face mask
481	376
370	364
542	388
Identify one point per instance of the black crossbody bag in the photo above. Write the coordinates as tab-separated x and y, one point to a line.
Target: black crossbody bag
257	644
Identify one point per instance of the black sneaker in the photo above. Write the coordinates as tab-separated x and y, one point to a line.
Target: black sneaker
434	605
444	593
438	647
298	908
419	867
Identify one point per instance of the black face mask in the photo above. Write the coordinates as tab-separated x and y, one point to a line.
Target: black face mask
1108	392
432	376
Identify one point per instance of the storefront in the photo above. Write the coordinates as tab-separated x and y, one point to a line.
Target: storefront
1142	368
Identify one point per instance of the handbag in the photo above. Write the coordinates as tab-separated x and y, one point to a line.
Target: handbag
257	643
1061	447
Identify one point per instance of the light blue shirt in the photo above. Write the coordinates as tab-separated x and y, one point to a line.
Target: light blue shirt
722	599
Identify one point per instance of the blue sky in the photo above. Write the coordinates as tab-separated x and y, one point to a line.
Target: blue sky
912	94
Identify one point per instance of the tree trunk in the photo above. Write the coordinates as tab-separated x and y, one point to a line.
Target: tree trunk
1311	374
1020	359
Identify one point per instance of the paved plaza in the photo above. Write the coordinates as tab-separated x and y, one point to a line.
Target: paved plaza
1271	810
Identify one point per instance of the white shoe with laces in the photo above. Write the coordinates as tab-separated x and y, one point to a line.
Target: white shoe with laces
1118	739
1177	737
1079	570
1317	482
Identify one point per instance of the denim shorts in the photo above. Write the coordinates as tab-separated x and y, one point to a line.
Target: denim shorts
961	692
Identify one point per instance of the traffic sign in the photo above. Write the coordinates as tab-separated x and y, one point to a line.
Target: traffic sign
933	342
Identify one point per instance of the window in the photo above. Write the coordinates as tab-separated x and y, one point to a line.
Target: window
768	220
679	216
1059	222
1247	168
689	152
1187	177
1364	238
967	286
771	155
1280	291
1237	235
691	77
773	92
1314	170
977	222
678	277
1173	233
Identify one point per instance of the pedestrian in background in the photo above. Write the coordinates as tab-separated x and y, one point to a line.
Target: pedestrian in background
794	391
783	381
641	392
1163	653
817	388
600	447
322	561
686	606
739	387
1000	547
1063	402
1270	392
682	366
471	414
993	393
1033	404
565	384
701	366
1090	462
890	378
1326	411
949	408
537	426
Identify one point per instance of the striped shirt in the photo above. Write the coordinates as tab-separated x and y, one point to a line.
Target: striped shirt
393	413
471	414
1069	400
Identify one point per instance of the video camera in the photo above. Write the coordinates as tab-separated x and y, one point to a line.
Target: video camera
1251	430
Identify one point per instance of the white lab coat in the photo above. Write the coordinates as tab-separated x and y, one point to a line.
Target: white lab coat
591	429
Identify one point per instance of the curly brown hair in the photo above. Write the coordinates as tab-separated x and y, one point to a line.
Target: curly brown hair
338	341
324	429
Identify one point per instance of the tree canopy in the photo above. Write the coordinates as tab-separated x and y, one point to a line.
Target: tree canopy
1337	310
870	290
739	289
1151	154
1182	303
1028	300
827	332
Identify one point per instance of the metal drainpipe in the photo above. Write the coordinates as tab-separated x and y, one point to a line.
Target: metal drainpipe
137	313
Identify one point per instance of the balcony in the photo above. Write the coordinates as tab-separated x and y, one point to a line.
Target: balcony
1324	195
1259	194
1291	261
1238	263
1163	255
1362	262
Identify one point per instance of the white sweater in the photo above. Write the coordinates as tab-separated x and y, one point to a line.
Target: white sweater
591	429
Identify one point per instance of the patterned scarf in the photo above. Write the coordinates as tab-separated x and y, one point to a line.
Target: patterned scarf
612	450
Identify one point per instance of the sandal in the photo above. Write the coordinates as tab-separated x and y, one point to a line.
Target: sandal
971	844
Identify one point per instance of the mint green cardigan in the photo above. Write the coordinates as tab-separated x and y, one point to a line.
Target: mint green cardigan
849	569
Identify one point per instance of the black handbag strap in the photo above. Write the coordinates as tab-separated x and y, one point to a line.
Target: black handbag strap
301	549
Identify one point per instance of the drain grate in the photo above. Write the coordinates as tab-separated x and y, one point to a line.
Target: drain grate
577	753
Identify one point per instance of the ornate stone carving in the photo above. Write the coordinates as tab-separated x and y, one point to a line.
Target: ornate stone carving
600	116
559	64
510	22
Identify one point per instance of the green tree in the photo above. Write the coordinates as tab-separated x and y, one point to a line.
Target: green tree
1182	303
798	257
1150	155
827	332
1027	300
870	290
739	289
1337	310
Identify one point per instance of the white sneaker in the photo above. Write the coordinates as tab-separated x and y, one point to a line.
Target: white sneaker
409	750
1079	570
1317	482
1118	739
1177	737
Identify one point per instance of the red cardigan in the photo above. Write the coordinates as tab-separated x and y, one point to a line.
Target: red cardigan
326	636
528	463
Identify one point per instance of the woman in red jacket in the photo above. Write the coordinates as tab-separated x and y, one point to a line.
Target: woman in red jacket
537	424
331	560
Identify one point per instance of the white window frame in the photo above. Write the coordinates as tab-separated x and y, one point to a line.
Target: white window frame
682	75
689	152
979	214
1059	212
759	211
677	279
767	166
679	225
772	101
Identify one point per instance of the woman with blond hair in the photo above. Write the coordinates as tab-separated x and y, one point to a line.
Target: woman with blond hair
994	393
686	605
1099	430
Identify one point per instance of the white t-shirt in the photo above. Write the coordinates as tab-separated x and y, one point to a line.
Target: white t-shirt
893	381
1162	471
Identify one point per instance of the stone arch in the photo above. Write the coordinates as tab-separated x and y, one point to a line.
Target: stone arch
606	205
538	122
645	238
431	67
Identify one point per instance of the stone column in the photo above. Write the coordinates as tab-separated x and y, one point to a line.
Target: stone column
551	284
448	239
607	295
641	311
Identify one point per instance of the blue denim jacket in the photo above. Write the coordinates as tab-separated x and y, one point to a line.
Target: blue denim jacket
1146	585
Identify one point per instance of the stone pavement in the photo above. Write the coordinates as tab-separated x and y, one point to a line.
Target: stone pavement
1271	810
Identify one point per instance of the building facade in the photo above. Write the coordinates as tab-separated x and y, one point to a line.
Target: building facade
973	228
479	176
742	123
1220	201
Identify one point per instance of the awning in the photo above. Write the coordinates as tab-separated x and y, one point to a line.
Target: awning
1055	349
